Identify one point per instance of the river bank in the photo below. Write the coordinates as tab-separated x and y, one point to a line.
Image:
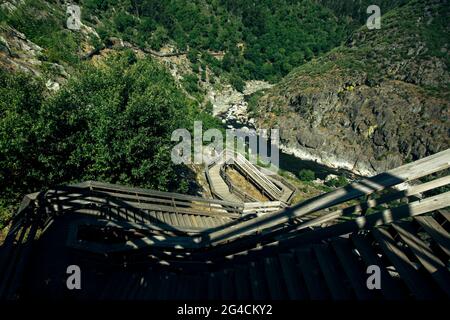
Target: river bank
231	107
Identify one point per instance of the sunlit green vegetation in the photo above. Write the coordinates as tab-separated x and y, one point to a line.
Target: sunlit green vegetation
110	123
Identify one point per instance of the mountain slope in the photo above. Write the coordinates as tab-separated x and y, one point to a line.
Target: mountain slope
377	101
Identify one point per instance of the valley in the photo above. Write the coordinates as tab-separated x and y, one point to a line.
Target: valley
348	101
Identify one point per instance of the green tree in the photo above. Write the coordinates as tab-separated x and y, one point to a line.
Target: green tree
306	175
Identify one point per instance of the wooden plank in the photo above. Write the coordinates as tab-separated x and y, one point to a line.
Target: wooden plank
445	213
99	186
129	287
436	231
181	286
142	287
169	219
168	282
352	268
153	285
426	257
206	222
214	286
372	203
311	274
186	220
201	287
160	217
194	222
330	271
108	287
294	282
258	281
193	289
10	266
136	287
274	278
227	281
366	222
389	288
176	219
409	273
341	195
25	250
242	283
117	281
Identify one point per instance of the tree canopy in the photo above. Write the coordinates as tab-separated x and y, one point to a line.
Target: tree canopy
111	123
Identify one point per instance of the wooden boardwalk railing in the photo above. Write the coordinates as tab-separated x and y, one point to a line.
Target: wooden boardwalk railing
222	188
393	220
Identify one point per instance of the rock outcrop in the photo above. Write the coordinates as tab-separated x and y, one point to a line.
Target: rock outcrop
378	101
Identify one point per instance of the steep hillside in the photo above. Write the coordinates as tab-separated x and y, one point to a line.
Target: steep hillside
356	10
238	40
378	101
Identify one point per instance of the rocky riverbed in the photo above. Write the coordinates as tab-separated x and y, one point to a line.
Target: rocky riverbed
230	105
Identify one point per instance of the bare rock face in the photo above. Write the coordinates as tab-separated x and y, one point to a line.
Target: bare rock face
374	129
375	103
4	47
17	52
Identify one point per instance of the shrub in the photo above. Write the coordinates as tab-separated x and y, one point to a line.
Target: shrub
337	182
306	175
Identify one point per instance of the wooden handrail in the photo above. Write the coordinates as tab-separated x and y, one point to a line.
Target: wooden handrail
405	173
271	223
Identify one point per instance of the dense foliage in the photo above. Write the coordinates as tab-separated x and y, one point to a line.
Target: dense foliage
111	123
262	39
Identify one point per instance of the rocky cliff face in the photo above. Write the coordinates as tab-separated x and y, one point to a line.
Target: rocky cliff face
380	100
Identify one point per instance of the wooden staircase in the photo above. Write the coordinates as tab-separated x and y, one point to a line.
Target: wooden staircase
169	246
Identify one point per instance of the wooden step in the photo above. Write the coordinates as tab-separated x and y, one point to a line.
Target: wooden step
227	281
293	280
258	281
309	267
436	231
150	288
274	278
167	281
214	286
331	272
352	268
242	283
389	287
437	269
409	273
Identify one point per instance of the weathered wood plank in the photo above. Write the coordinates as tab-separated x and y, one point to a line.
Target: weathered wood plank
330	271
274	278
352	268
436	231
366	186
258	282
389	288
227	280
311	274
242	283
426	257
294	282
407	270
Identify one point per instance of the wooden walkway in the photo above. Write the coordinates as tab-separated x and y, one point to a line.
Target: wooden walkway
219	185
139	244
335	269
273	189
